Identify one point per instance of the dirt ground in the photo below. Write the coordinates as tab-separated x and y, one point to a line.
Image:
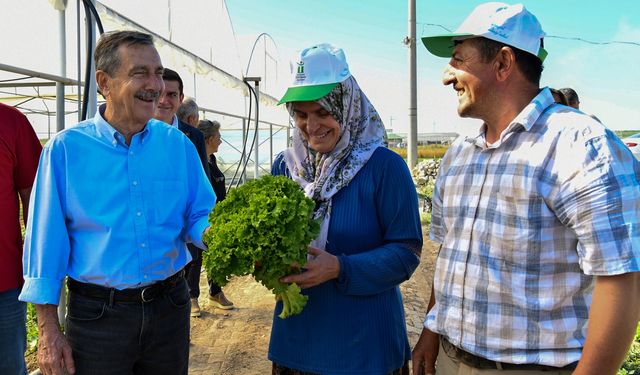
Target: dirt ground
235	342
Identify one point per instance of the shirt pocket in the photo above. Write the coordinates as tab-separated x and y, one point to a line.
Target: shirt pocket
520	214
169	201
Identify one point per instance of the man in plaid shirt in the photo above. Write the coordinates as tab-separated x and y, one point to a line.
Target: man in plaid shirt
537	217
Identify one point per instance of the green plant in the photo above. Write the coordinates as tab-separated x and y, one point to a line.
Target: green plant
262	228
32	329
631	365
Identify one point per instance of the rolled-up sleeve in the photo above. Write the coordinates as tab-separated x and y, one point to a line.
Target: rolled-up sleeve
46	245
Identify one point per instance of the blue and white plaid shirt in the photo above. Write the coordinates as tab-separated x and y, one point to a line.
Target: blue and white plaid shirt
524	225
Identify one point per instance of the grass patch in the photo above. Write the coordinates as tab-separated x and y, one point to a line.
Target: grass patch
425	151
631	365
32	329
625	133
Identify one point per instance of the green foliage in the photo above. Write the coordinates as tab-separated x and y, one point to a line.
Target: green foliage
631	365
262	228
625	133
32	329
425	218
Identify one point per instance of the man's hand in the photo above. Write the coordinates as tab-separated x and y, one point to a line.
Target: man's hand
322	267
54	352
424	354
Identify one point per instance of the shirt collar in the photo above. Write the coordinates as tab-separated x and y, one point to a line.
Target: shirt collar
108	132
175	121
525	119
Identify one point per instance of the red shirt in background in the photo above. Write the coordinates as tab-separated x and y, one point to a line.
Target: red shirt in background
19	154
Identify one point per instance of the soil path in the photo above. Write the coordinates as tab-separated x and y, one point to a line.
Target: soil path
235	342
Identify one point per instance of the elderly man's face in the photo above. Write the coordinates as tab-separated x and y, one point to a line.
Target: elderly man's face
471	79
132	92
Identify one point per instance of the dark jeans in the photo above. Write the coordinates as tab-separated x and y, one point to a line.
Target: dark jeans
13	333
193	274
130	337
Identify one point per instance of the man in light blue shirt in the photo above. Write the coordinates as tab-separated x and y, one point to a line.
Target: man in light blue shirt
112	210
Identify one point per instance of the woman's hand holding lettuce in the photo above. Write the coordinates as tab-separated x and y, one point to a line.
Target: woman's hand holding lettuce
266	222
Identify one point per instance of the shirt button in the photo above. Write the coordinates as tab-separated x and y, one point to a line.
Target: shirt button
135	183
143	245
139	213
130	152
145	276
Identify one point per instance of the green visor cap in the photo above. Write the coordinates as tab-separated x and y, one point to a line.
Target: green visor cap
307	93
442	45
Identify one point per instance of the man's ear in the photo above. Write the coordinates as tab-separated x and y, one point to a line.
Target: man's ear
102	79
181	97
504	63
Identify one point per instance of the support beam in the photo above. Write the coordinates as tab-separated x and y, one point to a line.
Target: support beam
412	141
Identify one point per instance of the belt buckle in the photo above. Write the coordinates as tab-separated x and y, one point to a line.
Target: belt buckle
142	296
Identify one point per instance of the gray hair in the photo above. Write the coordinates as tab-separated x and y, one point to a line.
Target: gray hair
189	107
106	55
209	128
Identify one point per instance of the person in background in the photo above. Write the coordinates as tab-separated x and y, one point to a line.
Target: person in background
573	100
370	234
188	112
169	105
572	97
559	97
19	153
537	218
112	209
212	140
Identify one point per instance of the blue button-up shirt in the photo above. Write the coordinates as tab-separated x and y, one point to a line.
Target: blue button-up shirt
110	214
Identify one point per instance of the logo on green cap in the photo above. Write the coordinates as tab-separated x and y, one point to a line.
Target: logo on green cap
300	76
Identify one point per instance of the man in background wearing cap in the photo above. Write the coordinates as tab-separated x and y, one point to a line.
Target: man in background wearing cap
573	100
537	218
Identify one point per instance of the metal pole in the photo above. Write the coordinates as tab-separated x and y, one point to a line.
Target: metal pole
244	152
288	136
256	164
79	50
93	86
63	71
412	142
270	145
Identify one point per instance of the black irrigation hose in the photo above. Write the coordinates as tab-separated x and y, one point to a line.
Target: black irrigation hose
87	71
90	13
244	148
244	145
255	134
95	15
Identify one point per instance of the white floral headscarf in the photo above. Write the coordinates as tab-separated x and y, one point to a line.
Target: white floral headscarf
323	175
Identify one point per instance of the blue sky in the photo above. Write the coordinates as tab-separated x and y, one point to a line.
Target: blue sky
607	77
370	31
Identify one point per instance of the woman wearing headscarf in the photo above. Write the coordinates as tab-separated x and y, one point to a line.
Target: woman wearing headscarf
370	237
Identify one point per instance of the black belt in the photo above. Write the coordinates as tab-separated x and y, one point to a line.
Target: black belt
144	294
481	363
